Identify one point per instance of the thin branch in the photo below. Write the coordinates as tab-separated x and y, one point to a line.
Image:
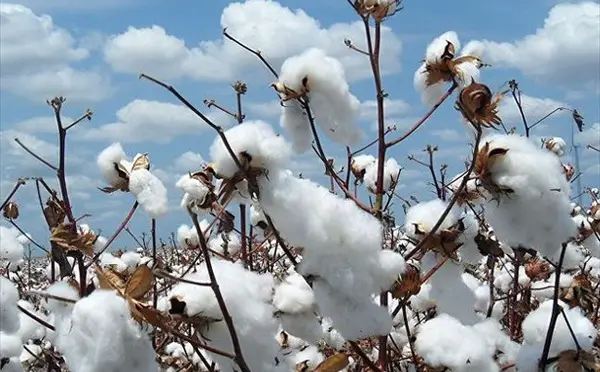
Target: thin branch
42	160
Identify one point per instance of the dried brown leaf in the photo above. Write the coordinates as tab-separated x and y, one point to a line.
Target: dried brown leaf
68	240
108	279
334	363
54	212
140	282
574	361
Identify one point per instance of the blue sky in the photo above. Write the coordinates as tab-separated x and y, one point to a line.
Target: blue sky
92	51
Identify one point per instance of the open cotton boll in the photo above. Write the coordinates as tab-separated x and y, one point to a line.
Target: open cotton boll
295	122
391	173
257	215
11	249
193	190
354	317
430	94
294	295
309	357
149	191
436	47
30	328
535	328
10	348
9	314
33	353
557	145
333	106
304	326
131	259
102	336
106	162
226	243
473	48
444	341
187	236
61	309
537	213
257	138
247	296
425	215
446	286
108	260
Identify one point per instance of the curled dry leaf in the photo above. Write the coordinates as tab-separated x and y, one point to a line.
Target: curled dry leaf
576	361
140	283
488	245
334	363
580	293
69	240
54	212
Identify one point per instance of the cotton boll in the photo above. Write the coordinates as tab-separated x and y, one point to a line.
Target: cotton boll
557	145
422	301
436	47
446	286
354	318
574	256
304	326
131	259
149	191
444	341
473	48
425	215
226	243
430	94
187	236
294	295
391	173
247	296
10	345
333	106
257	215
11	249
9	315
30	328
108	260
537	213
105	340
310	357
106	162
256	138
535	327
60	290
26	356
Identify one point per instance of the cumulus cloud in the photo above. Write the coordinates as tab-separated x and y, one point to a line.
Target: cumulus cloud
278	32
534	109
153	121
564	50
589	136
36	57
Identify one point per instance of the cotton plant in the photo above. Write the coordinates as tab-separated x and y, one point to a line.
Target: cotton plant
321	80
133	176
11	244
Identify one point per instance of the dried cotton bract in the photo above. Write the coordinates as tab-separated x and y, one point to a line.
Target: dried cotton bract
321	80
441	66
557	145
478	105
531	205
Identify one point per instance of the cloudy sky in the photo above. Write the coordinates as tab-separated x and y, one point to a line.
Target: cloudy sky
93	51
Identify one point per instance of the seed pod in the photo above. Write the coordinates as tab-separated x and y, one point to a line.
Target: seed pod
11	211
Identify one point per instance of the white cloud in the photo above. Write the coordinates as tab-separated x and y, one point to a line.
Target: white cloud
278	32
564	50
36	57
534	109
76	6
589	136
40	124
392	107
259	110
450	135
14	156
154	121
188	161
